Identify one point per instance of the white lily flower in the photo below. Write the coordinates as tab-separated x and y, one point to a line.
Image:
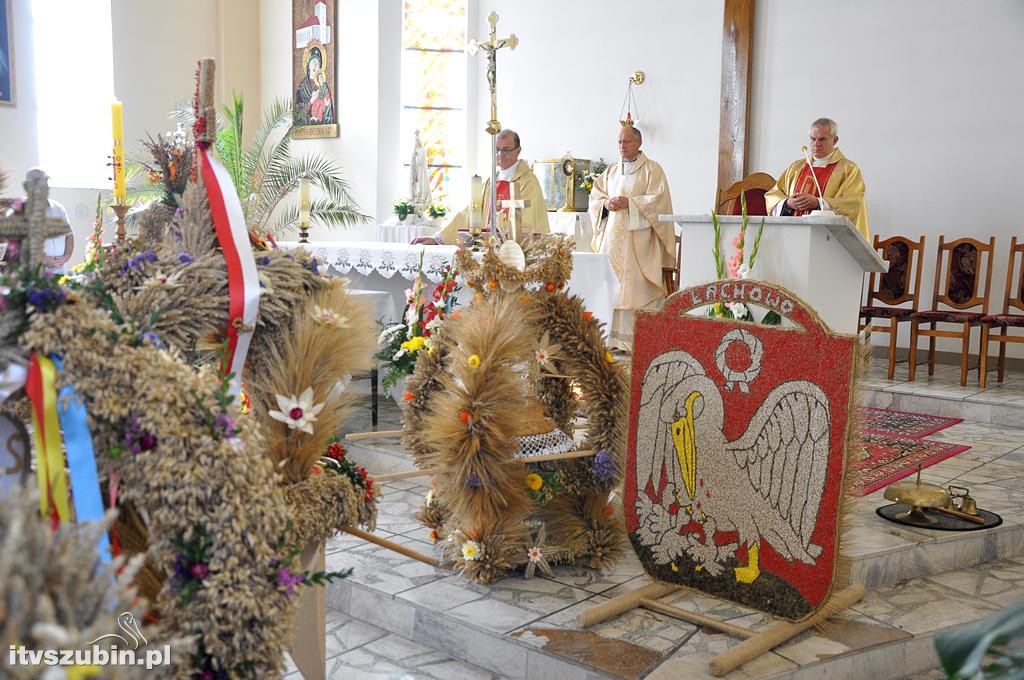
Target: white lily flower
743	271
739	310
388	332
399	354
297	413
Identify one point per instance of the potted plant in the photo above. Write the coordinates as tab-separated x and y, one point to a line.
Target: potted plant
403	209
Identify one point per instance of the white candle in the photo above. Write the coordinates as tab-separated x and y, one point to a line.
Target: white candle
304	203
476	190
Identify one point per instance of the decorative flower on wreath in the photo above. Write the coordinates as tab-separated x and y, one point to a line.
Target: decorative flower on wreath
546	351
734	376
534	481
471	551
538	555
297	413
326	317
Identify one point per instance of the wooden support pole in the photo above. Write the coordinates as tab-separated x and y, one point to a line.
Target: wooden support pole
585	453
391	545
623	603
382	434
699	619
775	635
408	474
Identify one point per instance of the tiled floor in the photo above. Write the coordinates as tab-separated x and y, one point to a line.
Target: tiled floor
415	620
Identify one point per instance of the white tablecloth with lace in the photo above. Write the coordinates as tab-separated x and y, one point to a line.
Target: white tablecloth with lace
391	266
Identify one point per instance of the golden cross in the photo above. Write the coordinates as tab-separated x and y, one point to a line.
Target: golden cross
493	127
513	206
32	224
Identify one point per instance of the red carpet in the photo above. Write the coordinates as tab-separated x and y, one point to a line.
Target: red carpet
894	444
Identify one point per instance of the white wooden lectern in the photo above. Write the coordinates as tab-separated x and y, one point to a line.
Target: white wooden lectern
821	258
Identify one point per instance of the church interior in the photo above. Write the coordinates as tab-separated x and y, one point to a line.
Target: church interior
480	339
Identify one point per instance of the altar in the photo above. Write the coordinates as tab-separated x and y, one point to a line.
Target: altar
821	258
392	267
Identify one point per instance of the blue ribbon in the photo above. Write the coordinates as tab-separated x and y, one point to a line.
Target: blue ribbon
85	483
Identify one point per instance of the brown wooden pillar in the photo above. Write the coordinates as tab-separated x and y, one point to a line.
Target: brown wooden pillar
733	129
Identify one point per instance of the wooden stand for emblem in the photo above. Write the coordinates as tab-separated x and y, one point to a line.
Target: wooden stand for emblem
754	645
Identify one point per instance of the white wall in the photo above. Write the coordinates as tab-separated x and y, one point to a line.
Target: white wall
19	149
356	95
563	86
927	96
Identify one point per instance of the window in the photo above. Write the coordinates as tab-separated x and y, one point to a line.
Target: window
74	80
433	94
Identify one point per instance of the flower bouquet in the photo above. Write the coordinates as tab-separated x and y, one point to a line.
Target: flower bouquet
401	343
738	269
586	181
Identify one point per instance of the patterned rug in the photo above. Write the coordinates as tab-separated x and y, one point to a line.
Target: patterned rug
894	445
903	424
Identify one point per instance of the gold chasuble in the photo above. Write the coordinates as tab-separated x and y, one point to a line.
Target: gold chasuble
533	218
636	243
843	188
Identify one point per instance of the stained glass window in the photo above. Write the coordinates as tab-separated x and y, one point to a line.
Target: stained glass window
433	92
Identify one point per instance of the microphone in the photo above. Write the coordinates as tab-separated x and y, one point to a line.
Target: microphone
821	194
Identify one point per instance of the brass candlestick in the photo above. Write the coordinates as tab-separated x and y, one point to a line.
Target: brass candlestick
120	210
304	233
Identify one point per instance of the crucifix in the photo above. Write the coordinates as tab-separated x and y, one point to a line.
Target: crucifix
31	227
493	127
513	205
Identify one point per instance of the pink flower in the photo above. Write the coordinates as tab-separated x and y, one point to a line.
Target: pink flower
737	240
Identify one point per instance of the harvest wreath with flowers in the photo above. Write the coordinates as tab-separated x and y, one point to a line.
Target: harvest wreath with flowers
521	359
218	502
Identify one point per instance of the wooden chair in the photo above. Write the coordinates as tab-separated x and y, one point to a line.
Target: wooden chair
1006	320
964	258
670	277
753	187
895	288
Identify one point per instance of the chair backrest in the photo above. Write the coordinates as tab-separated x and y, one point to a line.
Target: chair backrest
1016	254
753	187
964	258
902	283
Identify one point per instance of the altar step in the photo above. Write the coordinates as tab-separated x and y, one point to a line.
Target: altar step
525	629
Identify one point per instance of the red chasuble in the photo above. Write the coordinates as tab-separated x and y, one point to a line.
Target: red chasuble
805	185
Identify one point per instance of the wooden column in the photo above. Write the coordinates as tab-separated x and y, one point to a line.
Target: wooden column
737	53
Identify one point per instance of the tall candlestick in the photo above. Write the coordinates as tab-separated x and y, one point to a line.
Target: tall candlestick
303	210
120	192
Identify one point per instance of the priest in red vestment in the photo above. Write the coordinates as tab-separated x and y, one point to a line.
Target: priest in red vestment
839	179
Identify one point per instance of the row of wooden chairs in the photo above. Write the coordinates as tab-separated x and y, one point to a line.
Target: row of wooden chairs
960	299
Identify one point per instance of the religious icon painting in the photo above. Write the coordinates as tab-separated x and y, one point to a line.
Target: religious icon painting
737	448
6	54
314	68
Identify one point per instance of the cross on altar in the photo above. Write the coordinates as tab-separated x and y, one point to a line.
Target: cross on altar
31	226
513	205
491	47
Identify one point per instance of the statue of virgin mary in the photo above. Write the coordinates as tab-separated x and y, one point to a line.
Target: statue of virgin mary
419	179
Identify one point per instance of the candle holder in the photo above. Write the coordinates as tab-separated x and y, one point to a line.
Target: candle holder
120	210
303	233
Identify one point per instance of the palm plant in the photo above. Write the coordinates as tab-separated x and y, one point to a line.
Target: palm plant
265	172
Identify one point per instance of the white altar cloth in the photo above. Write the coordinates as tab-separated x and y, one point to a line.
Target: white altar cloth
392	266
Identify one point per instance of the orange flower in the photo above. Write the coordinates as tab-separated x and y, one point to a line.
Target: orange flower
433	535
456	314
550	287
492	284
316	471
587	316
465	417
409	396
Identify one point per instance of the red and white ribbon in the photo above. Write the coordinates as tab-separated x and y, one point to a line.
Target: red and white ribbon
243	280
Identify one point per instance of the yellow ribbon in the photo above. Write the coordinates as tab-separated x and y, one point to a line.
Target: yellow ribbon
49	454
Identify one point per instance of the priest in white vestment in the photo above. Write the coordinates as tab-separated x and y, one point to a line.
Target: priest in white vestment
515	179
624	207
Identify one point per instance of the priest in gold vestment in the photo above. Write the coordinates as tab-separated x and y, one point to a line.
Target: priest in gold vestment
512	174
841	182
624	207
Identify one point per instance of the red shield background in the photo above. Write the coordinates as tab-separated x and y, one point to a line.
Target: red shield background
809	352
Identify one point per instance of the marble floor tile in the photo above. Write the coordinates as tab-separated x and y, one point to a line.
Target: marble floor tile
595	581
922	606
692	659
517	601
651	630
1001	582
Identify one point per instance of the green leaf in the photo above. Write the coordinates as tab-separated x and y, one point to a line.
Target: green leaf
772	318
962	651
